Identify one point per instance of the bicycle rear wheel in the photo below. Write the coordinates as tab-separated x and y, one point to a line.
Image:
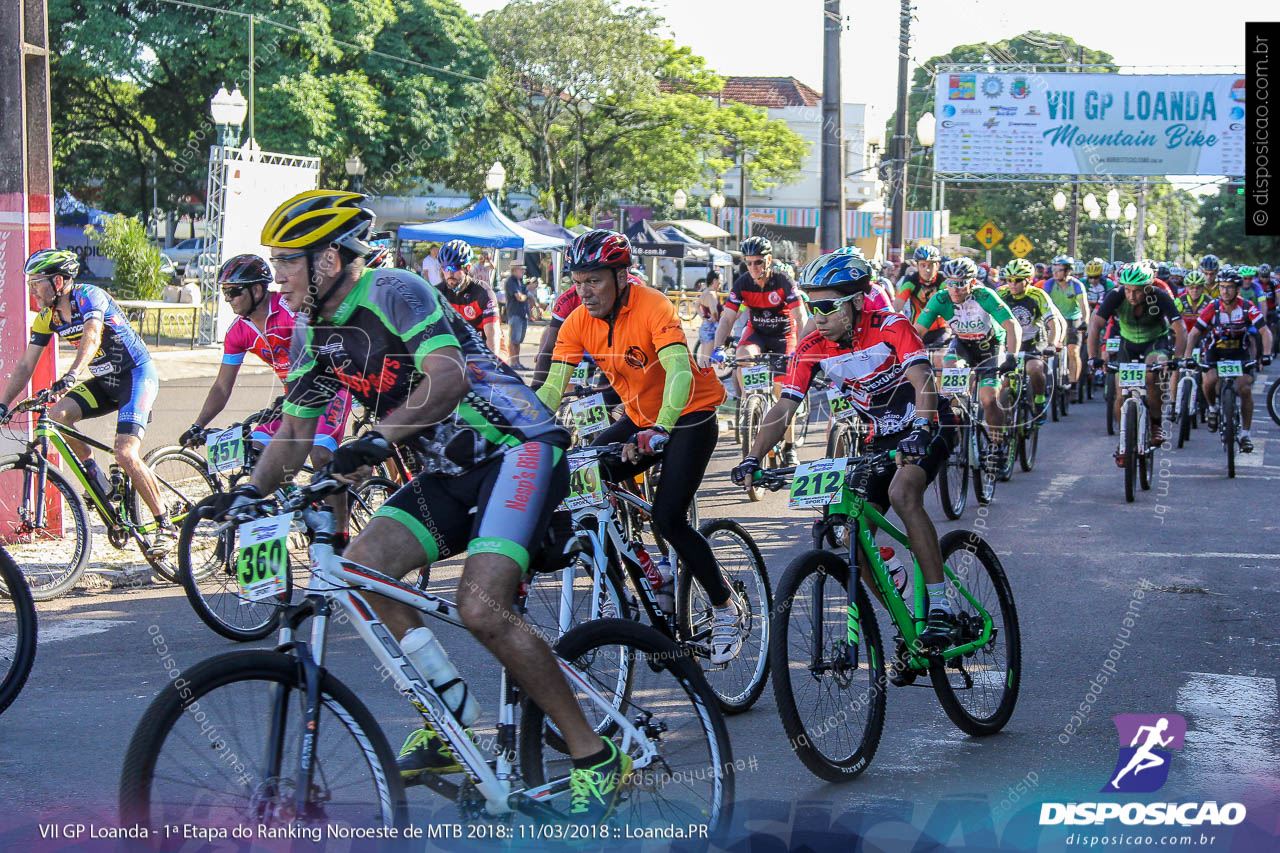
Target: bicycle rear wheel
752	419
53	555
1186	409
830	694
17	630
1273	400
739	683
183	480
691	780
984	479
978	690
222	751
1129	413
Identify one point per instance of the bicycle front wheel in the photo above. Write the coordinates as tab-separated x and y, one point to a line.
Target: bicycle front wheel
1229	423
978	690
829	690
691	779
953	479
17	630
752	420
739	683
207	572
1273	400
49	541
222	751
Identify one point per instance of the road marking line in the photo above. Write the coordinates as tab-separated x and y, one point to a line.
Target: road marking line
1233	555
1235	725
70	629
1058	486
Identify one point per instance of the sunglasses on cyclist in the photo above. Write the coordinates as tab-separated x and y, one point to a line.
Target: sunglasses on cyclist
275	259
235	291
957	283
759	263
826	307
1017	281
453	268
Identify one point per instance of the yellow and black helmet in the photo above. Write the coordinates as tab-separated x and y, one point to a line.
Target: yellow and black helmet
316	219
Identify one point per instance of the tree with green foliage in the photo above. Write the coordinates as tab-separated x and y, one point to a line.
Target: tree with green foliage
1222	218
137	274
396	80
1023	208
603	108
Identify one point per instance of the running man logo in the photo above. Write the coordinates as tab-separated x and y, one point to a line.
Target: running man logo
1145	744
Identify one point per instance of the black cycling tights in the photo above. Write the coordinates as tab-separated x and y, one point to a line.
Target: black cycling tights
684	461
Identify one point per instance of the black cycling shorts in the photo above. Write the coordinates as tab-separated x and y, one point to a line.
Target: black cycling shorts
132	394
512	495
767	343
937	338
1213	355
877	489
1133	352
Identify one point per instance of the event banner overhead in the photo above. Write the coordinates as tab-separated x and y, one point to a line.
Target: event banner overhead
1090	123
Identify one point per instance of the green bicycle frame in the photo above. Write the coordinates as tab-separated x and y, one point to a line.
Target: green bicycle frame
49	432
866	516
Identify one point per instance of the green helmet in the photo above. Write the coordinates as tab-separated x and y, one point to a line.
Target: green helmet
1247	271
1018	268
1195	278
61	262
1137	275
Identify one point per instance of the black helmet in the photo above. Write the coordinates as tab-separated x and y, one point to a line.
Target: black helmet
1230	276
1209	263
756	246
599	249
245	269
960	268
1162	272
843	271
926	253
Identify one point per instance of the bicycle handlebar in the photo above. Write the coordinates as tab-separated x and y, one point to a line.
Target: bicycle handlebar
774	479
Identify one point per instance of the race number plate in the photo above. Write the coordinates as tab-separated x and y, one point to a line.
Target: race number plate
263	560
589	414
955	380
841	406
579	375
586	488
1133	374
1230	368
817	483
757	378
226	450
1113	345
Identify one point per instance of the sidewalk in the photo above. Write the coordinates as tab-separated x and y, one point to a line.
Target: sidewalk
177	361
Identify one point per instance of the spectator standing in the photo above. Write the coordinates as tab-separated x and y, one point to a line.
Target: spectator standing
431	269
517	312
483	271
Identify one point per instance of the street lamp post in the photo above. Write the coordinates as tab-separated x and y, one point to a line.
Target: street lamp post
355	171
926	135
228	110
1113	214
495	179
717	204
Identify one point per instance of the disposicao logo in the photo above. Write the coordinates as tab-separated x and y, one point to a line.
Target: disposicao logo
1143	765
1147	743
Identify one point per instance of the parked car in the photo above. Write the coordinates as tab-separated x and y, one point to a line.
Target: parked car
184	252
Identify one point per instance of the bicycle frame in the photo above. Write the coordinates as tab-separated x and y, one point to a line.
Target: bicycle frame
867	518
335	579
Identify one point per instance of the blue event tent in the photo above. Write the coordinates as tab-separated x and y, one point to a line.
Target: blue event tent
482	224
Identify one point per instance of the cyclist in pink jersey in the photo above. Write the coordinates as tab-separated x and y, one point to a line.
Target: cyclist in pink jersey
264	327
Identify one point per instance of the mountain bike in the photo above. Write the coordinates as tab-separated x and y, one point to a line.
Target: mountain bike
47	529
17	630
1187	400
826	654
1230	421
952	481
1109	388
613	535
960	383
273	738
1135	423
1025	431
758	373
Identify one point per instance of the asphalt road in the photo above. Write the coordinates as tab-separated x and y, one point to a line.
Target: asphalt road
1191	563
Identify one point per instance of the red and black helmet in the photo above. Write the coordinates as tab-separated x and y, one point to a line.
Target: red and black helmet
599	249
245	269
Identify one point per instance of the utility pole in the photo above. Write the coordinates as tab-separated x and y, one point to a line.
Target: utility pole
898	195
1075	182
832	236
1140	237
743	230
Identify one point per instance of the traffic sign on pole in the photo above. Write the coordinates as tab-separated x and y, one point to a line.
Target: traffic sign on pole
1021	246
989	235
